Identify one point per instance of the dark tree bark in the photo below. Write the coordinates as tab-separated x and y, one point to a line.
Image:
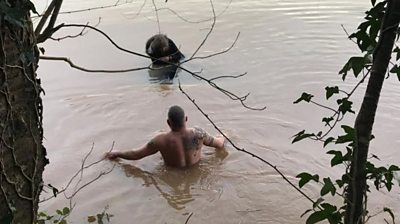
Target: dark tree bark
22	155
365	118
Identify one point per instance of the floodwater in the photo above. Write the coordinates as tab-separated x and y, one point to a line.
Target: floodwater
285	46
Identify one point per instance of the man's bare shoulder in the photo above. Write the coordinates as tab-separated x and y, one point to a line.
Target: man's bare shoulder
158	138
199	132
203	136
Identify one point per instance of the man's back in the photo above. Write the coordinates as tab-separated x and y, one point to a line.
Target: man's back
182	148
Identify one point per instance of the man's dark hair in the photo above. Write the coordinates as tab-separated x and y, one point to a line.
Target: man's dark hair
176	117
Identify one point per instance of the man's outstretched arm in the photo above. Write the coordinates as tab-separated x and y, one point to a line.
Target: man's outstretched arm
146	150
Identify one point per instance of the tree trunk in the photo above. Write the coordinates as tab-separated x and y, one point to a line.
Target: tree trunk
22	155
355	210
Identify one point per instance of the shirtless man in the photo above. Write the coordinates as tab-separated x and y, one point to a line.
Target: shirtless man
180	147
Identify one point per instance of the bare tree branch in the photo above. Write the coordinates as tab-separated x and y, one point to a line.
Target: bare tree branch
63	25
82	33
45	16
41	37
53	58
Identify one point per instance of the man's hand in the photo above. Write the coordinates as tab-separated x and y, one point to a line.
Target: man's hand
111	155
165	59
220	142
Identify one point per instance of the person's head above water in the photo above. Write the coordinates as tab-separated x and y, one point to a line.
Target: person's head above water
176	118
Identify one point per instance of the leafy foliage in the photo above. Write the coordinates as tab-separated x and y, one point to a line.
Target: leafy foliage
15	15
382	177
61	217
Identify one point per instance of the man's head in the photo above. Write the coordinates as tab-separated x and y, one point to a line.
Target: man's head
158	45
176	118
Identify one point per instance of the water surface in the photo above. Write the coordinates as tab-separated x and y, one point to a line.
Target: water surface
286	47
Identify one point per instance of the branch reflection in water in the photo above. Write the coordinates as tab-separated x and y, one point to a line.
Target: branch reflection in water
175	184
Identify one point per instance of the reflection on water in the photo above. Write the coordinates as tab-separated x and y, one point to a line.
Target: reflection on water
163	74
175	184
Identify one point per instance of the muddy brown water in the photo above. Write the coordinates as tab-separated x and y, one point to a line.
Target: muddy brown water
286	47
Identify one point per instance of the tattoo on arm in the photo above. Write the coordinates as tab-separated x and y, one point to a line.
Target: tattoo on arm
151	144
201	135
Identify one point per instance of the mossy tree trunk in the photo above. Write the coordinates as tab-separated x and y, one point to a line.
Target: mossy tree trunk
22	155
365	119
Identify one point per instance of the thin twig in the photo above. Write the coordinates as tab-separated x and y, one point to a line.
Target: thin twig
209	32
215	54
83	167
158	19
228	76
198	21
347	33
90	9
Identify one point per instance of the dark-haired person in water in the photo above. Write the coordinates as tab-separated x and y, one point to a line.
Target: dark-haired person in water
163	50
180	147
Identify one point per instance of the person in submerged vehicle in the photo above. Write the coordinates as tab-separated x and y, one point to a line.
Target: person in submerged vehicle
180	147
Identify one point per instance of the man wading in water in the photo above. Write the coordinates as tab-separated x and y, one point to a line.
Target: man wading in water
180	147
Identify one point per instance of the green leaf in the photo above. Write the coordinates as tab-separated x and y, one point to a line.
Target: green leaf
388	210
63	221
397	51
348	155
328	208
356	64
304	97
42	214
59	212
65	211
29	5
331	90
389	179
328	187
345	105
396	70
328	140
327	120
394	168
306	177
317	216
348	137
337	159
301	135
91	219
